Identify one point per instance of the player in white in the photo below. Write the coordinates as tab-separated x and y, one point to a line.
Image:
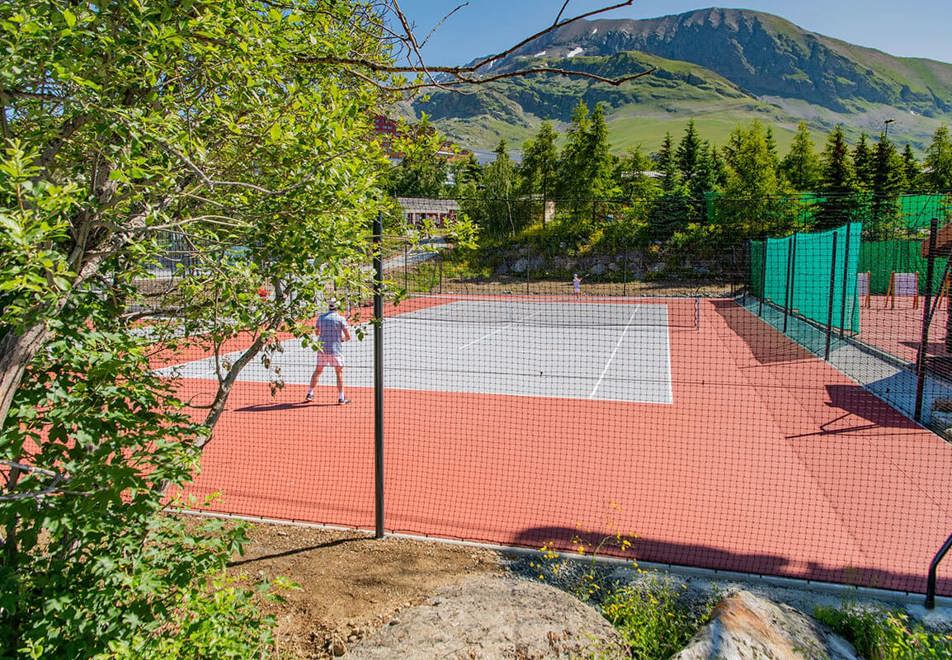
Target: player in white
577	286
332	332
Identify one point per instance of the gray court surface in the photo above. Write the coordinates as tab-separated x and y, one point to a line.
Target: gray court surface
606	352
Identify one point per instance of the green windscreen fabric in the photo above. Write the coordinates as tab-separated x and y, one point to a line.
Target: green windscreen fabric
882	258
919	210
794	273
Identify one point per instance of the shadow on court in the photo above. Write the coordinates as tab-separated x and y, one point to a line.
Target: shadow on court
277	407
767	345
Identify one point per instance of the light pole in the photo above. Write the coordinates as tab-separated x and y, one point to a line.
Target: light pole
886	123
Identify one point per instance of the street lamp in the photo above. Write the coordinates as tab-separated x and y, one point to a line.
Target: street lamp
886	123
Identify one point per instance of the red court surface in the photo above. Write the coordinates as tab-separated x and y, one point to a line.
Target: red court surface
769	461
897	330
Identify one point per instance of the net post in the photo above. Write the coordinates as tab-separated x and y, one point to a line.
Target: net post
440	258
406	267
378	374
624	268
528	258
829	306
924	338
846	272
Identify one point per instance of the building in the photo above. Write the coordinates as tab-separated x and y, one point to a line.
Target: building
417	210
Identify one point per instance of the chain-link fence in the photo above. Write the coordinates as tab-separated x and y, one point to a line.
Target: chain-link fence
768	398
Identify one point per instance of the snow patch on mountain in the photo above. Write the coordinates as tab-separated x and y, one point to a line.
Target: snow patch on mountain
575	51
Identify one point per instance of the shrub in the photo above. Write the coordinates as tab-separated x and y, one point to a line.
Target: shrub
881	634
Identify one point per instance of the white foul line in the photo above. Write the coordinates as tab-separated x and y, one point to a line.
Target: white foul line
609	363
500	329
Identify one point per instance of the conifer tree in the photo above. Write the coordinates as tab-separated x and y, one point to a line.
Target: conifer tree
863	163
888	184
911	170
838	181
800	166
938	170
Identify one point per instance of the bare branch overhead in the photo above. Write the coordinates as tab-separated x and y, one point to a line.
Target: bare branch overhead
459	76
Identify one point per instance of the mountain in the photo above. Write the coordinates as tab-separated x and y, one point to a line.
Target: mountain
720	67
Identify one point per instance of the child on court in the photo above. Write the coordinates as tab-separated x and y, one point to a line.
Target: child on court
577	285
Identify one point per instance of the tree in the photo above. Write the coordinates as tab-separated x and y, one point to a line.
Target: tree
539	170
938	163
912	170
749	208
422	171
800	166
838	181
666	161
498	209
863	163
888	183
125	126
695	167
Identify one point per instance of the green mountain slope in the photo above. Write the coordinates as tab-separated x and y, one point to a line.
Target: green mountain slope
718	66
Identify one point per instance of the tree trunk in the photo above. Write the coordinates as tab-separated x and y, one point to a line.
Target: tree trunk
224	389
16	352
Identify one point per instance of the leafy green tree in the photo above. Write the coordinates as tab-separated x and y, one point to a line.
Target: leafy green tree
938	162
673	209
423	171
838	181
800	166
864	165
499	209
750	207
126	126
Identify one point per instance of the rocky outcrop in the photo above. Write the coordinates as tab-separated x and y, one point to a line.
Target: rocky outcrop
495	617
748	627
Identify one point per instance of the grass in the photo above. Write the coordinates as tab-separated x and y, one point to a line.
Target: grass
879	634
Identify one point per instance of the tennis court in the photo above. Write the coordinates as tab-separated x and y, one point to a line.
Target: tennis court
691	426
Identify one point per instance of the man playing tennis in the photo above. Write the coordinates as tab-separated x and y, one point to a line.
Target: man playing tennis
332	333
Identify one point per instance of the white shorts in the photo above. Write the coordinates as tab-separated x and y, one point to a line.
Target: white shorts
326	360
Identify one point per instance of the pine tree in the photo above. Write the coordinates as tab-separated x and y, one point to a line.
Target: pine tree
539	170
748	207
667	164
938	170
800	166
888	183
598	158
688	154
863	164
772	148
838	180
571	188
911	170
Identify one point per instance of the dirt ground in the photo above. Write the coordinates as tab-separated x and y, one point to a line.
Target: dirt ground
351	583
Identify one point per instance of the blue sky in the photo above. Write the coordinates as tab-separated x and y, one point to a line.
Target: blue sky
914	28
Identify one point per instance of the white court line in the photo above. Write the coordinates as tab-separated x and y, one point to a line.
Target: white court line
609	363
498	330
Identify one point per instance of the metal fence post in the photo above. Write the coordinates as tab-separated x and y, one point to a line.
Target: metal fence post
763	280
846	272
378	375
406	270
791	267
926	320
440	258
624	268
829	307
